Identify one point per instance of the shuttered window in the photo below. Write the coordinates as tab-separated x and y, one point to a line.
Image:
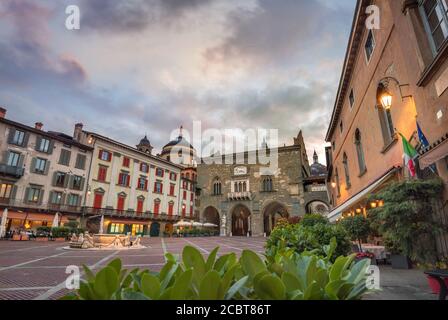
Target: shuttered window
64	158
80	162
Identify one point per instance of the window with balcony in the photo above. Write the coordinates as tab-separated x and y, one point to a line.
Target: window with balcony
171	208
140	205
435	18
120	202
240	186
156	206
13	159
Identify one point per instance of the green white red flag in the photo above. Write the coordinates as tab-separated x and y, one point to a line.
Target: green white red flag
410	154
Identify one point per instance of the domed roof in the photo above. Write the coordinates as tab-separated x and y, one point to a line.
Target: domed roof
180	141
144	142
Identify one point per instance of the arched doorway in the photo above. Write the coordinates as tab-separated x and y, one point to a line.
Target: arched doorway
271	214
154	231
211	215
240	221
317	207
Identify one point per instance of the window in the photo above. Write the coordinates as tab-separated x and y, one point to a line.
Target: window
191	196
64	158
144	167
156	206
170	208
18	138
120	202
124	179
105	155
435	18
56	198
126	162
191	211
341	127
60	178
184	195
80	162
217	188
172	187
268	185
73	200
40	165
98	200
333	145
13	159
338	184
158	187
173	176
5	190
142	183
116	228
360	152
346	170
184	210
77	183
159	172
34	195
102	173
370	45
140	203
351	99
387	125
43	145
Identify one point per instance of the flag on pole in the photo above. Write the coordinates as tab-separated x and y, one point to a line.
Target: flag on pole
421	137
410	154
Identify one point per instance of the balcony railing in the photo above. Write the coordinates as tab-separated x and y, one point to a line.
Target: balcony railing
236	196
130	214
11	171
38	206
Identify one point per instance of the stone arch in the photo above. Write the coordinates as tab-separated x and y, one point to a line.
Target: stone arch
271	213
241	220
211	215
317	207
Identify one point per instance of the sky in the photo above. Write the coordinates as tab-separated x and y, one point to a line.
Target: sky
149	66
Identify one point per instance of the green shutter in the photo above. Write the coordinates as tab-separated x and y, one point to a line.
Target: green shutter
38	142
33	165
21	159
5	157
51	147
68	157
25	140
63	199
27	195
41	196
55	176
83	182
79	201
51	198
12	132
13	192
68	181
47	167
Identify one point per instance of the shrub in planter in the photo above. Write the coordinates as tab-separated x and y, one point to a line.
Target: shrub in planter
43	232
358	228
291	276
60	233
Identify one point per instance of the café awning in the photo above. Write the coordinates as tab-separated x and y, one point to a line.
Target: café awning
337	212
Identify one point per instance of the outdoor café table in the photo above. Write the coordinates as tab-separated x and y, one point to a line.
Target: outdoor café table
440	276
378	251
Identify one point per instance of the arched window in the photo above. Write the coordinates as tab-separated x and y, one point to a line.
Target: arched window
346	170
267	184
360	152
338	184
217	187
244	186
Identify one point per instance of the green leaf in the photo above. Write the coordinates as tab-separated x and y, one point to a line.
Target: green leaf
133	295
270	287
116	265
193	259
211	259
89	274
333	287
291	282
169	276
209	288
221	263
106	283
182	286
226	281
236	287
150	286
252	263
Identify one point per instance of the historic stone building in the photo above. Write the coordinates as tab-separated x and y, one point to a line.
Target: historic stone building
243	199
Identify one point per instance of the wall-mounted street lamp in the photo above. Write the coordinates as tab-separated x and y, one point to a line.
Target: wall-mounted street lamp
386	99
384	94
333	185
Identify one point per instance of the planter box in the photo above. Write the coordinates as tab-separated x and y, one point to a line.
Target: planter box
435	287
24	238
59	239
400	262
16	237
42	239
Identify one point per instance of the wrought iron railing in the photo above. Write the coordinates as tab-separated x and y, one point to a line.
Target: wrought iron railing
11	171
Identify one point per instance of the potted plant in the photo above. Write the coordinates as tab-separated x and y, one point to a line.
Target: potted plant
60	234
42	234
440	265
406	220
358	228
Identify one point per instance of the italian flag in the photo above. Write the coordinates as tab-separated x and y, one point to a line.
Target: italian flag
410	154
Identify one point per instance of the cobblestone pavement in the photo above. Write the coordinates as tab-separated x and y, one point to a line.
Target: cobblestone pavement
36	270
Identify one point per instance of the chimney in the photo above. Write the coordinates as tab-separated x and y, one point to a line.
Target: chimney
2	113
78	131
38	125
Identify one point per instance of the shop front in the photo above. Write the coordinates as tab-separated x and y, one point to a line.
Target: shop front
124	227
29	221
